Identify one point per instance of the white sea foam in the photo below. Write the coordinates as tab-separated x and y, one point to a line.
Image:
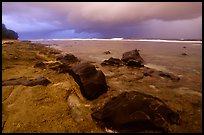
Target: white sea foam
116	39
121	39
197	44
157	67
160	40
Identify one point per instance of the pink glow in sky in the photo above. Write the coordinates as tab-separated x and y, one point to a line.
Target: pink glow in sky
104	19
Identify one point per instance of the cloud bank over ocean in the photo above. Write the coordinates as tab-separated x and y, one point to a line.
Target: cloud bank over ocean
104	19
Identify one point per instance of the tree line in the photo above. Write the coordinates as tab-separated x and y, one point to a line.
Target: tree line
8	34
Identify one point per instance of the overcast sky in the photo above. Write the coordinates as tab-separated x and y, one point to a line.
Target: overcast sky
37	20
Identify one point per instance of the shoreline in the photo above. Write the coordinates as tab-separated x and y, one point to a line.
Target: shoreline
119	39
17	64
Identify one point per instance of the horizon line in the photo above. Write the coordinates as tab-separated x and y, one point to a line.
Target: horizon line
124	39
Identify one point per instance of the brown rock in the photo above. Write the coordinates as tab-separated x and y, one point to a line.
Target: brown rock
168	75
132	58
112	62
107	52
134	63
40	64
184	54
92	82
68	59
136	112
155	73
62	68
26	82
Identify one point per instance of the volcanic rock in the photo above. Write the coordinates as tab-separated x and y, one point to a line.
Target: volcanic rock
107	52
40	64
134	63
184	54
136	112
132	58
68	59
112	61
155	73
62	68
92	82
54	52
148	71
53	65
26	82
168	75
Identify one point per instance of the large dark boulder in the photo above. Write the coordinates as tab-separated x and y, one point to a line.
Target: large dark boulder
92	82
112	62
133	58
68	59
136	112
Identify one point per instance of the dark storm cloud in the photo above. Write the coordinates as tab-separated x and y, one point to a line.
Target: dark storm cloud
109	19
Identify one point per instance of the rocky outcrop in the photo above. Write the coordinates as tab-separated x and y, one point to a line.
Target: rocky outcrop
134	63
169	75
54	65
155	73
107	52
57	66
92	82
26	82
184	54
112	62
68	59
54	52
132	58
40	64
62	68
136	112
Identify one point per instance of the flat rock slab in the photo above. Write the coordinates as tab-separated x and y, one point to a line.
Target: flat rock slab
26	82
154	73
61	68
136	112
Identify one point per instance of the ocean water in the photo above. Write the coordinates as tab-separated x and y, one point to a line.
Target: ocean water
162	55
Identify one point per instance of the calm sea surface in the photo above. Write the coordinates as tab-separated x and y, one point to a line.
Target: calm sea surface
164	56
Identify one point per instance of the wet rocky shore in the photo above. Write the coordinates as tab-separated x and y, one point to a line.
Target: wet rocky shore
44	90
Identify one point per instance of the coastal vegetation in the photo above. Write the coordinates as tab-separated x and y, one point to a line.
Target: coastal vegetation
8	34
